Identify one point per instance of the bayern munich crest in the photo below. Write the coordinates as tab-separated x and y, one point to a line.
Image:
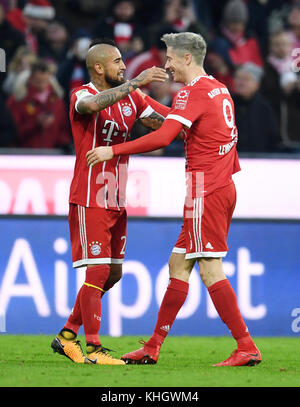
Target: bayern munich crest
95	248
126	110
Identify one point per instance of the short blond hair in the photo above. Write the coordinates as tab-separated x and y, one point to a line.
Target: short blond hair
187	42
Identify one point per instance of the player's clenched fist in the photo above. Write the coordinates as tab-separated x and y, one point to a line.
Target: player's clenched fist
98	155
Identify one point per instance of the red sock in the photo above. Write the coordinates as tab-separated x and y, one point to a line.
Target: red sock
75	319
172	302
226	304
90	301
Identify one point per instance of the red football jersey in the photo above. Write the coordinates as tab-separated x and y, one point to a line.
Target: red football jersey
206	108
104	184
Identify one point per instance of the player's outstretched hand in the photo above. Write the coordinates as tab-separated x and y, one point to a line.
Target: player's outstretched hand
98	155
153	74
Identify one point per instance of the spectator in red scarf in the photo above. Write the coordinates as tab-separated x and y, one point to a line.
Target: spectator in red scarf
181	16
39	111
233	43
124	28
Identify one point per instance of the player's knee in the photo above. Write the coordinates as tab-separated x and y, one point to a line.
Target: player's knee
204	265
179	267
203	274
171	264
175	265
210	269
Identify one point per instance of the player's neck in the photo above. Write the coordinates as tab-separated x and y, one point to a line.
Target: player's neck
99	83
194	73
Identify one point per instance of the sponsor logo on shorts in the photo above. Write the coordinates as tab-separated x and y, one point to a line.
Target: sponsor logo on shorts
95	248
209	246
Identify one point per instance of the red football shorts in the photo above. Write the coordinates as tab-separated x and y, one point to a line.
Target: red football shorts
98	235
206	224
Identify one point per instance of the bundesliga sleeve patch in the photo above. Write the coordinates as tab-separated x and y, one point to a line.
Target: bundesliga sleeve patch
82	92
181	99
79	95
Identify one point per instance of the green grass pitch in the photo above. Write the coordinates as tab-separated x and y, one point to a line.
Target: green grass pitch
28	361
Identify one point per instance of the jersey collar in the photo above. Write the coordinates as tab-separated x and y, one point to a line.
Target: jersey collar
199	77
91	85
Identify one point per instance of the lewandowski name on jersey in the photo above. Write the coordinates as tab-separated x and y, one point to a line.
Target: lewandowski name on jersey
105	184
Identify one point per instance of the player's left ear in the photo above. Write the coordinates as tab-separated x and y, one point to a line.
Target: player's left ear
99	68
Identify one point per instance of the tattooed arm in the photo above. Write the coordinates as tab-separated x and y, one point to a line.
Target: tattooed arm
154	121
95	103
156	118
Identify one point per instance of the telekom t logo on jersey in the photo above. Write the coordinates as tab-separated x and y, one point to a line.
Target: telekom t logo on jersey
111	128
113	181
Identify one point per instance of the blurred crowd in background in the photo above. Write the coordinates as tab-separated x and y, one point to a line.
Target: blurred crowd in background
253	48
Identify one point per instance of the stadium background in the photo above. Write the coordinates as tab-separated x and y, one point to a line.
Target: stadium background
37	283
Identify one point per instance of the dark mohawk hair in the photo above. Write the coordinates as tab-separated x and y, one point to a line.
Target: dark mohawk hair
103	40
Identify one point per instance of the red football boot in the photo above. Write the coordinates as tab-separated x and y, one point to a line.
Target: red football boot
147	355
242	358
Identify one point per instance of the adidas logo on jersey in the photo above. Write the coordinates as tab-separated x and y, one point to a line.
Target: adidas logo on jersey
209	246
165	328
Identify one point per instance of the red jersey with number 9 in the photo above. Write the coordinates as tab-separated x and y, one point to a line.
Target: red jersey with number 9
206	108
104	184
